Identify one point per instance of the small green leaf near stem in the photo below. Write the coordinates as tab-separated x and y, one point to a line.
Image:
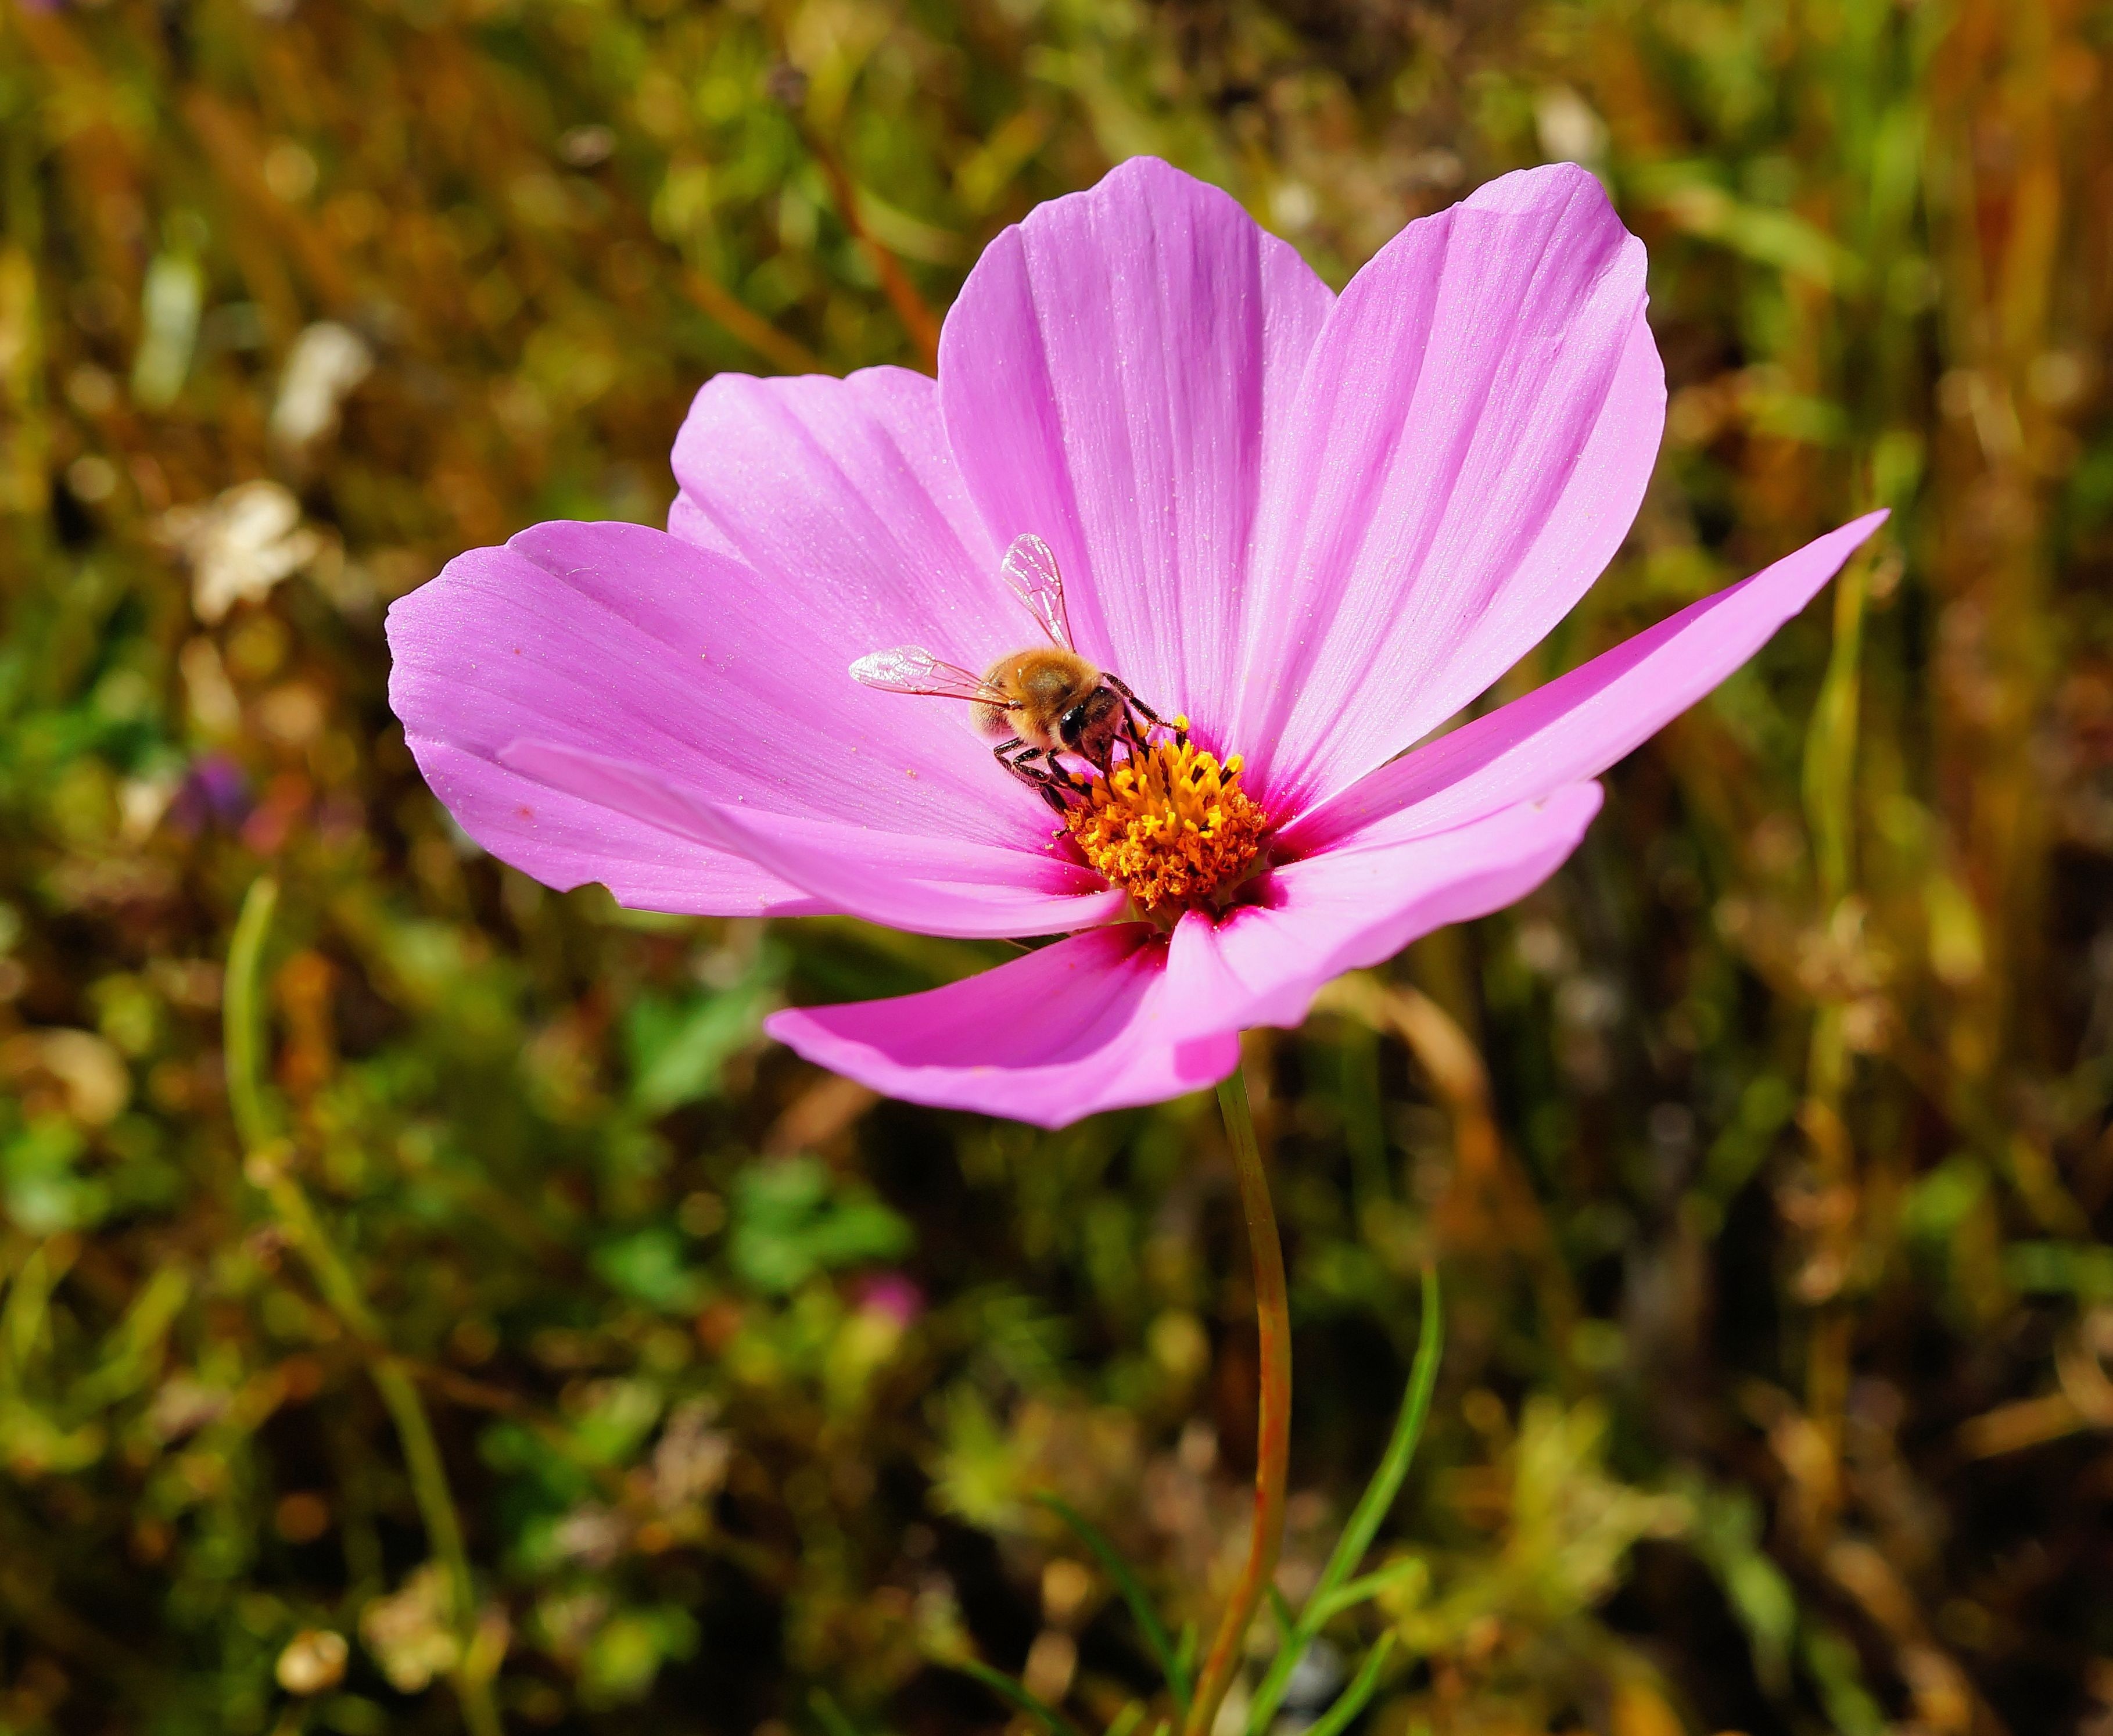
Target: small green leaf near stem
1361	1589
1279	1607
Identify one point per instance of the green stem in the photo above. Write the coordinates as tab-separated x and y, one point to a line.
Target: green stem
1273	1423
267	1160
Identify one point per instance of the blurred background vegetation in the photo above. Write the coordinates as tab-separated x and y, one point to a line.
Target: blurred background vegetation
547	1349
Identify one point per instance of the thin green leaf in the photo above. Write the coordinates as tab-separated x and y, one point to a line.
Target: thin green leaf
1337	1718
1371	1508
1365	1586
1010	1691
1172	1664
1379	1497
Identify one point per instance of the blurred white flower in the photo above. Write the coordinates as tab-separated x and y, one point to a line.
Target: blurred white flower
240	545
408	1634
314	1660
690	1461
92	1083
328	360
1570	130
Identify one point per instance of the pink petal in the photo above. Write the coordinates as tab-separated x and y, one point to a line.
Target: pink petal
566	842
1579	724
1093	1022
621	641
1114	374
931	886
1361	901
1477	423
1120	1015
842	497
842	494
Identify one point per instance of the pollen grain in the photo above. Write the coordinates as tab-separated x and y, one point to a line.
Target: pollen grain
1171	827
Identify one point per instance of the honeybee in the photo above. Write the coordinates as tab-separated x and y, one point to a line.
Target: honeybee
1044	700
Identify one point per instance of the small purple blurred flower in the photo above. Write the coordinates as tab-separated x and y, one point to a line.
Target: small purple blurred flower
215	792
893	1296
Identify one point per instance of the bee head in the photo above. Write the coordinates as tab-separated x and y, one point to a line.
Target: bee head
1089	726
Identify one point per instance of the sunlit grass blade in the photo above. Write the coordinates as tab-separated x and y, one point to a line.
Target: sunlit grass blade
1370	1512
1014	1694
1127	1719
1352	1699
241	1018
1172	1664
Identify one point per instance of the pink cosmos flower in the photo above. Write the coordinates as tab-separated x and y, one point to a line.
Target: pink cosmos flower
1315	526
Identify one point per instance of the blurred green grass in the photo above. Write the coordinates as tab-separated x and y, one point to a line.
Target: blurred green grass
1765	1153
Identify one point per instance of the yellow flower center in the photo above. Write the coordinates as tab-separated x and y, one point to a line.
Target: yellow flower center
1171	827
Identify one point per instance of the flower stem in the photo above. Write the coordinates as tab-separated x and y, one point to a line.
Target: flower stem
1273	1424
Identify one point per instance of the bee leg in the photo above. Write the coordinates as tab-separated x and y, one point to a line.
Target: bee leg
1004	753
1061	779
1014	757
1136	705
1137	734
1123	687
1058	773
1071	782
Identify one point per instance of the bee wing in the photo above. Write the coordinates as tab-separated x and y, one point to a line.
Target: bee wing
910	669
1029	572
